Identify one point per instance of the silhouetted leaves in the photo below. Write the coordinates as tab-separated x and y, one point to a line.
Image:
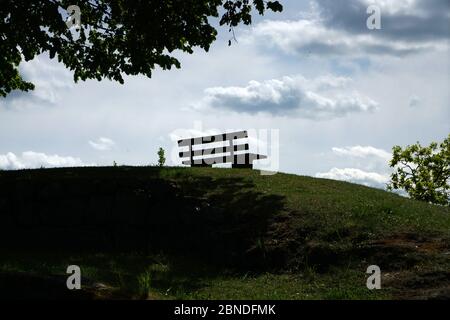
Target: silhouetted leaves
116	37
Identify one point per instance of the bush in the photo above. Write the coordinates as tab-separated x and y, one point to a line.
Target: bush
161	157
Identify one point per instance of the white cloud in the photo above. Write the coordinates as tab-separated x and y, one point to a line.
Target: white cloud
311	37
394	7
30	159
338	28
51	81
324	97
371	179
102	144
363	152
365	165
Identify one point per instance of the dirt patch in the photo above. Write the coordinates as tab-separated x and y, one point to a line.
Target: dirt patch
419	285
403	251
410	241
414	267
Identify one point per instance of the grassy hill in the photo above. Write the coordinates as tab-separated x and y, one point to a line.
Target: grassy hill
209	233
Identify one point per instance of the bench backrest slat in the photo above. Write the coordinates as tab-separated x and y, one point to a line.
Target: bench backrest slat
214	138
210	151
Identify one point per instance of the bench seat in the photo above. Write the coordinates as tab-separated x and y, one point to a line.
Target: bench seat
244	160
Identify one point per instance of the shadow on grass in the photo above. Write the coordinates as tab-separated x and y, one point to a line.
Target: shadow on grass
202	226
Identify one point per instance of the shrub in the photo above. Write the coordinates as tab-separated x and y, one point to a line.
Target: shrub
161	157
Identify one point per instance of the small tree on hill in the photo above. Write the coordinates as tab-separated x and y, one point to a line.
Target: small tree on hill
423	172
161	157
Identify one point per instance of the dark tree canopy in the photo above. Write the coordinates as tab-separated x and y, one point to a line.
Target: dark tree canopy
116	37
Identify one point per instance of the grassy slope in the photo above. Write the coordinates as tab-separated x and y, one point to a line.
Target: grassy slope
325	232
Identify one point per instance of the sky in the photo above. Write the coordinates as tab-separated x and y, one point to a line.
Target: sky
338	95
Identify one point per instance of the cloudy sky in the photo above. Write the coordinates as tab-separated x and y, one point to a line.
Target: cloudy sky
340	94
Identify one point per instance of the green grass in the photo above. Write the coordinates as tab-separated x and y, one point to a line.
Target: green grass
335	204
313	238
142	277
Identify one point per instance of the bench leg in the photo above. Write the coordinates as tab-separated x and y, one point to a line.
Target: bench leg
242	166
202	165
